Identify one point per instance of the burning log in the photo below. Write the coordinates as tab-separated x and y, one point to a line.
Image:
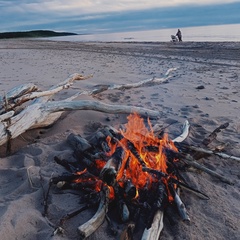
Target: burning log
96	221
109	171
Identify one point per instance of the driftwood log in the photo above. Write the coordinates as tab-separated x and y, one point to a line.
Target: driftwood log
156	228
96	221
42	112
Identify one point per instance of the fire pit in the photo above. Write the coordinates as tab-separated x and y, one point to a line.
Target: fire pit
134	171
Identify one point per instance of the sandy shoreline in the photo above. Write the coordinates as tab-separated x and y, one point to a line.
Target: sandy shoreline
205	89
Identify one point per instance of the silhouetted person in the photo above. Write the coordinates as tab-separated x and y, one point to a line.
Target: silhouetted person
179	35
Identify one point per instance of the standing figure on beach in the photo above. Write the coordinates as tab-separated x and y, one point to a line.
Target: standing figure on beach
179	35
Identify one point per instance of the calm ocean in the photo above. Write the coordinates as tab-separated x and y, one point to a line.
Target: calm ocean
218	33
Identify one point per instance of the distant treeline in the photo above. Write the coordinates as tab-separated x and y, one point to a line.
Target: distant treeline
34	34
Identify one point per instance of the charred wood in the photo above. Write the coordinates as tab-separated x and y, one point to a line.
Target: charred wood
155	221
78	143
129	189
109	171
171	180
112	227
123	212
70	166
74	213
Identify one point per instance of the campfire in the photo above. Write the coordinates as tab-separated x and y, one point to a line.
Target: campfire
135	170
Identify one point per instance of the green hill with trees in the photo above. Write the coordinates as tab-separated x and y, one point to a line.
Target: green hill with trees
34	34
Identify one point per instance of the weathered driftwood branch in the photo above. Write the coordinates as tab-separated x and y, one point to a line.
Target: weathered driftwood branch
43	113
102	88
27	92
20	91
37	115
96	221
97	106
144	82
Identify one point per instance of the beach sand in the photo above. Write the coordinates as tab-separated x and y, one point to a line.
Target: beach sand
26	172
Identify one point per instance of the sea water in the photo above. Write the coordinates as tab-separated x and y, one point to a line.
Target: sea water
218	33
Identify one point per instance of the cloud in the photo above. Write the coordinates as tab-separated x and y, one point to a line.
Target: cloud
97	6
102	14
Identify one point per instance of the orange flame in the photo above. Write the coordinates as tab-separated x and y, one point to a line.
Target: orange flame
137	142
141	137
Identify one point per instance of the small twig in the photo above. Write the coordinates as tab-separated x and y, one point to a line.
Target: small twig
190	161
210	152
74	213
213	135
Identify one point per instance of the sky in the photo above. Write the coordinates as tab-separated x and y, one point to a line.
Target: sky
106	16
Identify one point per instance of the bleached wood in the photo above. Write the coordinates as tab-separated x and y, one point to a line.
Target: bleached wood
184	134
97	106
21	90
39	115
6	115
144	82
96	221
42	112
28	92
154	80
154	232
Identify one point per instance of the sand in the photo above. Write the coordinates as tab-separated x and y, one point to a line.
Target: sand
26	172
